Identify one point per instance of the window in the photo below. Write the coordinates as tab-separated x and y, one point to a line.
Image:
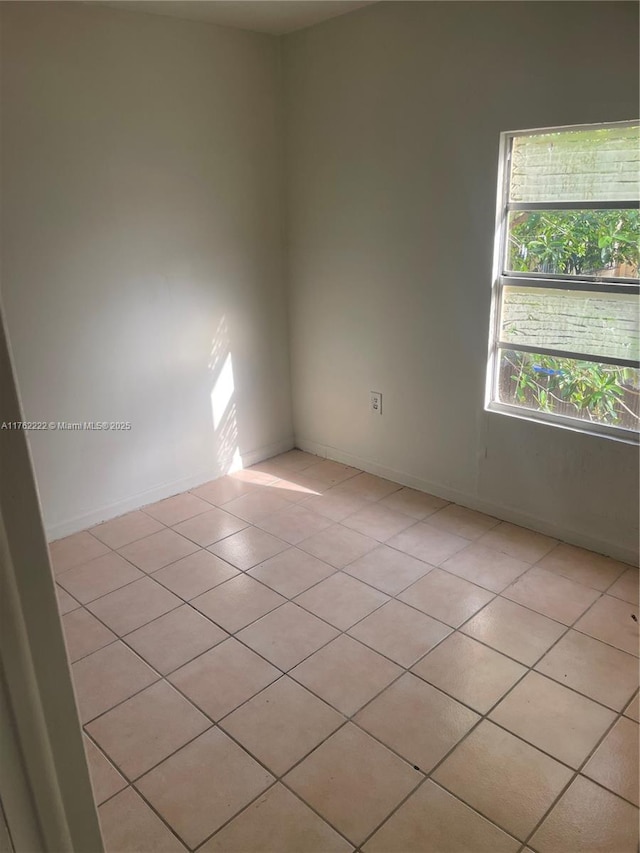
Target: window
565	324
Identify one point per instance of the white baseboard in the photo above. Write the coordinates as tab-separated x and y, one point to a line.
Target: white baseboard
266	452
523	519
165	490
157	493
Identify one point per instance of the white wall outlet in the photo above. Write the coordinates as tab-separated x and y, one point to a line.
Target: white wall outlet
375	402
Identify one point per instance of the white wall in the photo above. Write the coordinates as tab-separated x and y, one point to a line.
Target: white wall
141	205
142	242
393	119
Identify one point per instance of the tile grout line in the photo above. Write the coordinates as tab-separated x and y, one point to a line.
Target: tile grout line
278	779
343	568
578	772
345	631
529	669
575	772
123	639
405	669
485	717
216	724
349	718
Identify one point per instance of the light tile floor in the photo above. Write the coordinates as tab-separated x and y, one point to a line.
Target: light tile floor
304	658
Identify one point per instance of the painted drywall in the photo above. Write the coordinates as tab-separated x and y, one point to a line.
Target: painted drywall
393	115
142	251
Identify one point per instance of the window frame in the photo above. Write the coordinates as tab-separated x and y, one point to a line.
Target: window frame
501	278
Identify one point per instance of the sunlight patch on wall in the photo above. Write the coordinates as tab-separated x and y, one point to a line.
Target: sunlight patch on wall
222	392
223	405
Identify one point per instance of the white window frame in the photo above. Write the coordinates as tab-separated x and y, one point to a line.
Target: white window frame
592	283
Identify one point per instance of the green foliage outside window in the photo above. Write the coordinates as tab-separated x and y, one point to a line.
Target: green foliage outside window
598	392
574	242
580	242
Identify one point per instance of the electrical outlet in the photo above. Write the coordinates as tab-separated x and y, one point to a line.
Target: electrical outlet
375	402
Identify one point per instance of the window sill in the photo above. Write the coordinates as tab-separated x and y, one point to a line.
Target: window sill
612	433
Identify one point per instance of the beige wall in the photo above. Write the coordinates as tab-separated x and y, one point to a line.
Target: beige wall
141	246
393	122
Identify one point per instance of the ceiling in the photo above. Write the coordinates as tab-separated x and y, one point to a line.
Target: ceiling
266	16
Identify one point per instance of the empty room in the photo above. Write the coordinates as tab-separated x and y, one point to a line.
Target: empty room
319	422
